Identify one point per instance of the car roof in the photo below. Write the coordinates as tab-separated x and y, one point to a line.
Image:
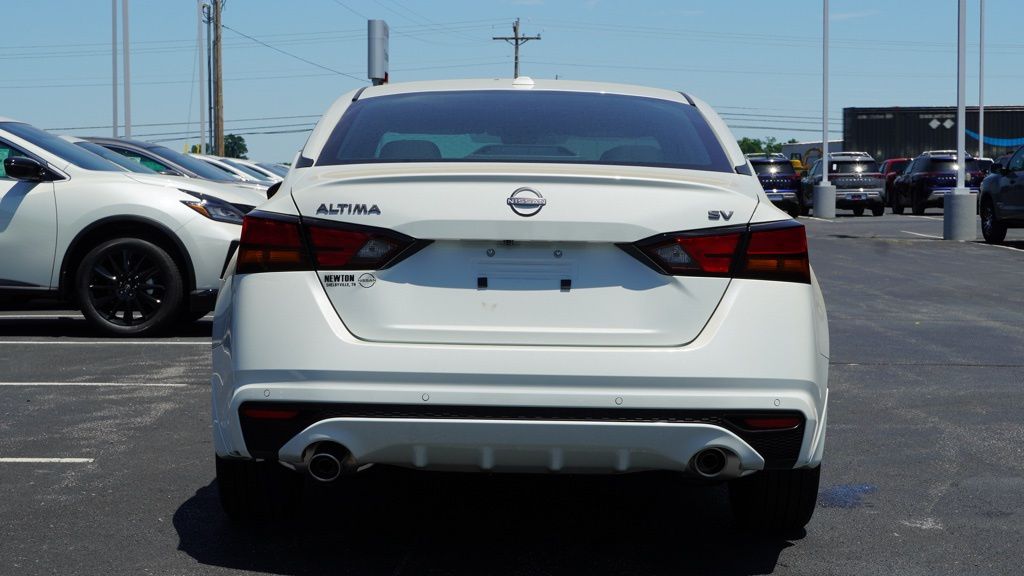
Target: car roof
522	83
768	160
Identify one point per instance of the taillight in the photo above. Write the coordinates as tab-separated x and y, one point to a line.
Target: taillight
270	243
777	252
345	247
773	251
277	243
695	254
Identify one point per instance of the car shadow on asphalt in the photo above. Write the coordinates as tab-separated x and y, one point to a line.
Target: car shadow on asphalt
74	326
406	522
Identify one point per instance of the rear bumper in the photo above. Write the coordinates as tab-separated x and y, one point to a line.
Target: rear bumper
859	198
937	195
783	198
278	340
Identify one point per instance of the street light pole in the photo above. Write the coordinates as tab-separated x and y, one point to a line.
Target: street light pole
981	78
824	193
958	221
127	71
113	52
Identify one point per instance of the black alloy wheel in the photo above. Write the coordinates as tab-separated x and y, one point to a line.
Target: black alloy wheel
129	287
992	229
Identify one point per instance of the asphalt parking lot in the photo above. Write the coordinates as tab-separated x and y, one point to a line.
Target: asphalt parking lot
106	465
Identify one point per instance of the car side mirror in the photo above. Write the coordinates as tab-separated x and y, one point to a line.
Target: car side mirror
27	169
273	189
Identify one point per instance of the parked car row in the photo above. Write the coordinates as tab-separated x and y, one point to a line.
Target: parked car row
899	183
134	234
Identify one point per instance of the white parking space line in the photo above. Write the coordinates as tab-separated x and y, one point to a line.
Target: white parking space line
101	384
819	219
919	234
925	217
1004	247
108	342
46	460
40	316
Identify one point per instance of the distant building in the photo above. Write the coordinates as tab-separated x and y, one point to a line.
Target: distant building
906	132
808	152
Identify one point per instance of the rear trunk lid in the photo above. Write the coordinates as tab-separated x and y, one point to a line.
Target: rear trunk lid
524	254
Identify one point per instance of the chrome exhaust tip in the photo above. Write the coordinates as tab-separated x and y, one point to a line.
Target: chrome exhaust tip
709	462
329	462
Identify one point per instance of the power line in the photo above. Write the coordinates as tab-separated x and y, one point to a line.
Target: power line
258	41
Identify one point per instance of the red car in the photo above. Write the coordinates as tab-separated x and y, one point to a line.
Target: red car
890	169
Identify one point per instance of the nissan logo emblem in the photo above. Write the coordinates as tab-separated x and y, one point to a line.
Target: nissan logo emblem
526	202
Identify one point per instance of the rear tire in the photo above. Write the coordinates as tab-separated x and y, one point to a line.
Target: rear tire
129	287
992	229
778	502
878	210
252	491
917	206
858	211
897	206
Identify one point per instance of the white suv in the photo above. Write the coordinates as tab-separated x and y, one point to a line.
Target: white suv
136	252
506	275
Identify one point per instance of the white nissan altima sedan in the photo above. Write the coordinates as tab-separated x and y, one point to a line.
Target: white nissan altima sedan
522	276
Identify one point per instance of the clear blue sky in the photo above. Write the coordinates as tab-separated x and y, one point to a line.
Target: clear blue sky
758	63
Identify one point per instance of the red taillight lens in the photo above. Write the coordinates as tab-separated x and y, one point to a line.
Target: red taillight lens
276	243
696	254
270	244
777	252
343	247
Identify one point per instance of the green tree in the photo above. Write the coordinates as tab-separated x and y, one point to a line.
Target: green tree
234	146
750	145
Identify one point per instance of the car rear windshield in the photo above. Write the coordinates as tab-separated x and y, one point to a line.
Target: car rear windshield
771	168
898	166
524	126
59	147
853	166
950	166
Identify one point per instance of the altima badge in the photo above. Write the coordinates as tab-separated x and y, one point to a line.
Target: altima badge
526	202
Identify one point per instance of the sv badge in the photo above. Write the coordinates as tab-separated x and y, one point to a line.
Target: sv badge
720	215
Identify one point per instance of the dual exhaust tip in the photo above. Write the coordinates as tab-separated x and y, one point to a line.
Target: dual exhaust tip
330	461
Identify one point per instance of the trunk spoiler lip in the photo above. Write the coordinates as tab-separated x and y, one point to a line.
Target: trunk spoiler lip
709	181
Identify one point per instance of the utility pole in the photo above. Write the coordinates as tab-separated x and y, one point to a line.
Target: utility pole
516	40
208	18
200	50
113	53
218	82
127	72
